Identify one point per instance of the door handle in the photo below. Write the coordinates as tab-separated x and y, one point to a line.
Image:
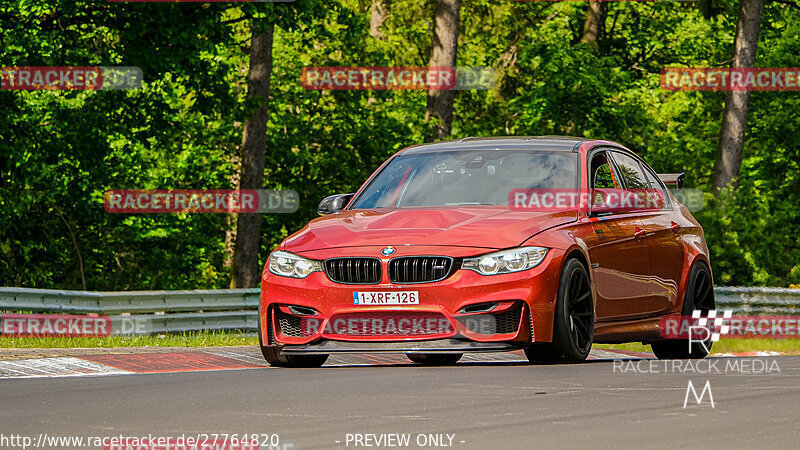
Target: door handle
639	233
676	228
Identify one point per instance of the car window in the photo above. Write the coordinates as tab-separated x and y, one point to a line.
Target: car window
655	184
467	177
602	175
630	171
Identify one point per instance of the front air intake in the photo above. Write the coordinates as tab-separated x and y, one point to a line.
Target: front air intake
504	322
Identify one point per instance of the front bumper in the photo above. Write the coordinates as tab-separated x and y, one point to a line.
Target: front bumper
432	346
523	312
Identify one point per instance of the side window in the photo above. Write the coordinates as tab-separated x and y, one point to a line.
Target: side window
601	173
631	172
655	184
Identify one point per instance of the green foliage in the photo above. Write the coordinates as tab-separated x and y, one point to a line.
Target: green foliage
59	151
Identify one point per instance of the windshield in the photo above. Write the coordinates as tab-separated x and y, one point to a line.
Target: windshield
467	177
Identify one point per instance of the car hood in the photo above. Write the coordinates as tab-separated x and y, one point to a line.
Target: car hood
483	226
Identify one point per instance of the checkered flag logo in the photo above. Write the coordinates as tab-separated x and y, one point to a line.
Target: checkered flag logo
718	322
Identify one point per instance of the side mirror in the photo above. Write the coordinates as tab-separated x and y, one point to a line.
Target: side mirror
333	204
673	179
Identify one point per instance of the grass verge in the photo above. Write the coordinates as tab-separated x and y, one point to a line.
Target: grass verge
191	339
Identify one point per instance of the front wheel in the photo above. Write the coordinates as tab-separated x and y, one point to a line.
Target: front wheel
573	327
699	295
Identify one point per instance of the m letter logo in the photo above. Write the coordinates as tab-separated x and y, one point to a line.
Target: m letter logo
699	399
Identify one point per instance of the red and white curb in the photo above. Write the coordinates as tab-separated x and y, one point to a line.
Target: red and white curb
195	360
65	366
746	354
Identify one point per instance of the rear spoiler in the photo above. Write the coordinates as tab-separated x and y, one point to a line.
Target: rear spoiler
673	179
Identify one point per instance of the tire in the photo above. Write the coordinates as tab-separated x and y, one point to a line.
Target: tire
435	359
573	322
699	295
272	354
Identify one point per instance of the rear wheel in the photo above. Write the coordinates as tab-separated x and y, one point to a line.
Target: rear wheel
435	359
699	295
272	354
573	327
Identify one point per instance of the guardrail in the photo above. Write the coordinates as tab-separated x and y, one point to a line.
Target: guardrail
750	301
142	312
145	312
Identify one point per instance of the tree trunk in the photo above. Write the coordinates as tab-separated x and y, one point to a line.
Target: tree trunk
380	12
734	120
595	19
443	54
246	270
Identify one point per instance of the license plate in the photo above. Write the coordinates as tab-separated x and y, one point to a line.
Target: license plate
386	298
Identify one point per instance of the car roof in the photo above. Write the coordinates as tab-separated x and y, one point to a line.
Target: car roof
551	143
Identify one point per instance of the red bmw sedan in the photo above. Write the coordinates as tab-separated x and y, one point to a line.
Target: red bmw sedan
545	244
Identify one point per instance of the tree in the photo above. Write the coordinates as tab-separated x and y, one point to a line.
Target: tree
595	19
443	54
246	270
379	14
734	119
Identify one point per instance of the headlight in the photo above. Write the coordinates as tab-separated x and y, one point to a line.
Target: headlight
507	261
286	264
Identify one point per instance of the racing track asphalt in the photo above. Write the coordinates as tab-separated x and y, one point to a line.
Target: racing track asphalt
487	406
